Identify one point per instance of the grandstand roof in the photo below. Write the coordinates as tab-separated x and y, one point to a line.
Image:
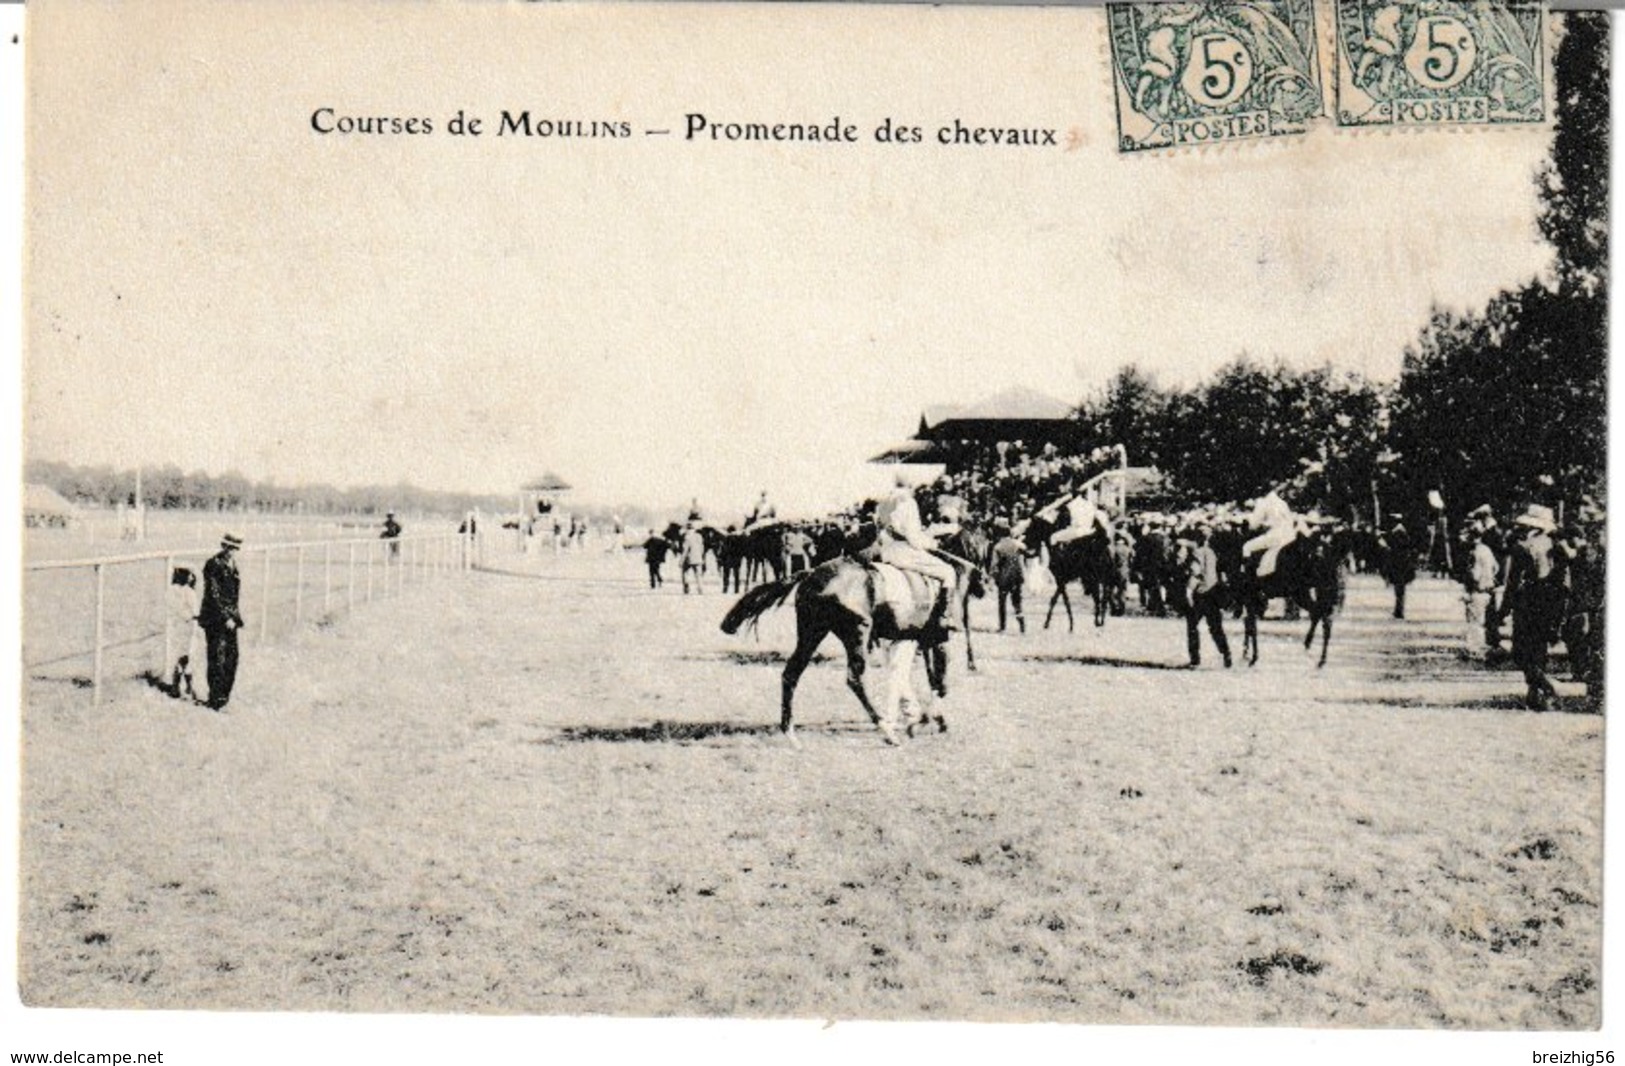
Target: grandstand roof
919	452
548	482
1015	414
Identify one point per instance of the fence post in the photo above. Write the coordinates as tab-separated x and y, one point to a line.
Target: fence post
327	577
369	569
265	595
96	670
349	582
299	586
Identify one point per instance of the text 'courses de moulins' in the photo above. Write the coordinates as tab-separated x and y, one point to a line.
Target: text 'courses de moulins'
696	127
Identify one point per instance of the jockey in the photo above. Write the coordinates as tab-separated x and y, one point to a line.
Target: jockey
905	543
1084	518
762	512
1279	526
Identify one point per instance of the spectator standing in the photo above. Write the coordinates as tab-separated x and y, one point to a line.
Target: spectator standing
1204	596
392	533
1583	628
1535	596
1479	582
654	556
1005	558
1398	555
220	618
1483	523
693	557
798	548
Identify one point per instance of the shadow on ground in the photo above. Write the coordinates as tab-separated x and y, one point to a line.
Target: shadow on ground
659	732
1112	661
765	657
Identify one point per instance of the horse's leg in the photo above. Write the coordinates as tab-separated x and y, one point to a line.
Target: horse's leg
1325	635
899	688
1066	601
810	632
936	661
936	669
970	653
856	639
1249	639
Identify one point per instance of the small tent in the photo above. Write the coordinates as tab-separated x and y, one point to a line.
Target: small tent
44	506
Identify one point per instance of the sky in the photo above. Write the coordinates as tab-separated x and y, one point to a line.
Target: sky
211	283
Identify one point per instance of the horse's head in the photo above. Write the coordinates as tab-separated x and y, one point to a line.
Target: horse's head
1037	533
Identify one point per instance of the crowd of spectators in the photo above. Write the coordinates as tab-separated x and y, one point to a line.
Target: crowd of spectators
1007	483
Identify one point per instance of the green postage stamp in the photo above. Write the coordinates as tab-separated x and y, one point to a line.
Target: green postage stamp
1200	73
1192	74
1435	62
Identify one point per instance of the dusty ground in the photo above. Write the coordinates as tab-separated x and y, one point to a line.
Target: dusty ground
561	793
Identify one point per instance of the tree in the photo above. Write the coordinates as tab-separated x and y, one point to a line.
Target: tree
1130	410
1509	406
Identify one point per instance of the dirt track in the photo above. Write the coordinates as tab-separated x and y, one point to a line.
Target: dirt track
563	794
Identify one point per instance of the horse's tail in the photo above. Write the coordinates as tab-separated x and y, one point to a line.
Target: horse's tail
759	600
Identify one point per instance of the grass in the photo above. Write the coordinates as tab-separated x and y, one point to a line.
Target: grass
565	796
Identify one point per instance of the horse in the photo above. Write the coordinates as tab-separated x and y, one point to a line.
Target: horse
844	596
730	553
1308	573
764	551
968	546
1087	560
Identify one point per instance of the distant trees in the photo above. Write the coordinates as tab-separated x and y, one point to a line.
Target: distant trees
1249	428
168	487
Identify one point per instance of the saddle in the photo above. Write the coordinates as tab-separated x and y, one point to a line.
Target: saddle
908	600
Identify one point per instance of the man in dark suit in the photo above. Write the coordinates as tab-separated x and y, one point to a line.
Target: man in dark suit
1398	563
1203	594
1536	596
220	619
392	533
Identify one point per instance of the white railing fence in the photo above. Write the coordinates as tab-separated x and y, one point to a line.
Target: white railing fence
124	599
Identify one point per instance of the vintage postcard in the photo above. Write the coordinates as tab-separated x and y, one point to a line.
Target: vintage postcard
811	513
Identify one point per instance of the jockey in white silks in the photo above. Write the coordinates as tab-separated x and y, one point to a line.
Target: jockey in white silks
904	542
1279	525
1083	519
762	512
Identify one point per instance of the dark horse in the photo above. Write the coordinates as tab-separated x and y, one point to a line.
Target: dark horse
844	596
1308	573
966	549
763	551
1087	560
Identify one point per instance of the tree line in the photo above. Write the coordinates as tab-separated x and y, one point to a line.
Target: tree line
169	487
